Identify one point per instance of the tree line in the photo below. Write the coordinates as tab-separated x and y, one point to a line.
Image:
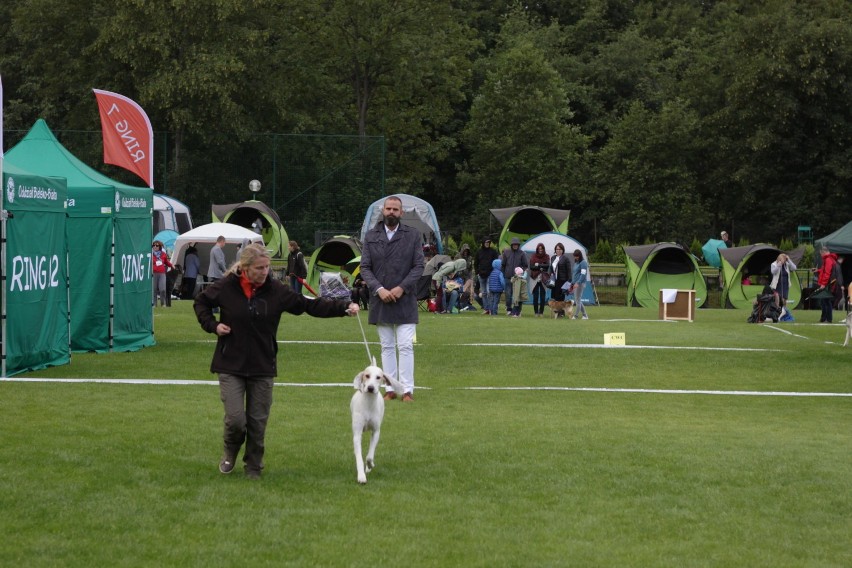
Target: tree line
652	120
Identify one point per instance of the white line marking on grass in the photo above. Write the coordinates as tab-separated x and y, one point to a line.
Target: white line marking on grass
667	391
183	382
561	345
164	382
785	331
601	346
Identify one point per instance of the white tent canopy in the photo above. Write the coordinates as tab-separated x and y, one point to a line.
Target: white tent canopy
204	237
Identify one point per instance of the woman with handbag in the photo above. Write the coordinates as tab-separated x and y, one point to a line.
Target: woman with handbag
560	273
539	268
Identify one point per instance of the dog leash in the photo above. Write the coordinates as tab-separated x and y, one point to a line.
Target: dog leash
370	358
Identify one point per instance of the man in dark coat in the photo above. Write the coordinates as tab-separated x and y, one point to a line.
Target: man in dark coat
484	257
512	258
391	265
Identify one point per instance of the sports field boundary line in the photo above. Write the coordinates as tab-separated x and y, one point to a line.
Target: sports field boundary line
602	346
665	391
185	382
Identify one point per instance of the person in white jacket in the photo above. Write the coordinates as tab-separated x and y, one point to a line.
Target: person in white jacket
781	271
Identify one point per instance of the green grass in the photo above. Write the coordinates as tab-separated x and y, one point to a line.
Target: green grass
125	475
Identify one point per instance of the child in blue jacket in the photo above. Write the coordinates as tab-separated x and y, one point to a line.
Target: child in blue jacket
496	285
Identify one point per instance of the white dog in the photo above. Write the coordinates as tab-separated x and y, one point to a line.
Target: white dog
368	409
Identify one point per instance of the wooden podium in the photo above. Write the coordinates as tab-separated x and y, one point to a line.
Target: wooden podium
682	308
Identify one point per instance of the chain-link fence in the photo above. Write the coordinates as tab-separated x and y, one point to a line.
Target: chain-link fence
319	185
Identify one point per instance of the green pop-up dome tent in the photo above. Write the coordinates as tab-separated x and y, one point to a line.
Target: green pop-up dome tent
334	255
651	268
753	261
259	217
526	221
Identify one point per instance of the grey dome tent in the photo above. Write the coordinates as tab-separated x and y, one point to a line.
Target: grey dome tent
416	213
171	214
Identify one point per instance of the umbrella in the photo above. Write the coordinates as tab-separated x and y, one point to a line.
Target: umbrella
168	238
710	250
304	283
821	294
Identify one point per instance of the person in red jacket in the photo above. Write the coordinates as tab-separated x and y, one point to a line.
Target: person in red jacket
824	275
159	263
251	303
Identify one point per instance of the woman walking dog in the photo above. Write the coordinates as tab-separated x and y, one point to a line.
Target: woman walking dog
251	305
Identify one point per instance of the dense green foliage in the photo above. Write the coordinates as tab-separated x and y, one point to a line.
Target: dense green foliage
651	120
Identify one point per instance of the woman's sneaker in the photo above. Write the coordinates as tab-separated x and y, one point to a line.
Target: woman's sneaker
226	465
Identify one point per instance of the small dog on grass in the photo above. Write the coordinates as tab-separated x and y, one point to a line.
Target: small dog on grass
368	409
557	306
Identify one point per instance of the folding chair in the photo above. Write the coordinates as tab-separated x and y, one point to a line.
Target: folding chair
424	292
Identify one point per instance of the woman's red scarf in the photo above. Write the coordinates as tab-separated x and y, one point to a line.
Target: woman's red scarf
247	286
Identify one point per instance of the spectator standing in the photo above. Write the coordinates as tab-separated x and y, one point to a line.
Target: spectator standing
519	291
824	278
485	256
391	264
839	284
464	253
160	263
512	258
578	283
217	267
539	268
560	268
191	269
782	270
296	267
494	287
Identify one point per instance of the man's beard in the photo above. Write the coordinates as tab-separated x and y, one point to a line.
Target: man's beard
391	221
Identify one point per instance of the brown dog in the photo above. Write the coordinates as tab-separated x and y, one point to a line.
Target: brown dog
566	306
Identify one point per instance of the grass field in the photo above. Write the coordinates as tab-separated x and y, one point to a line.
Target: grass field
713	443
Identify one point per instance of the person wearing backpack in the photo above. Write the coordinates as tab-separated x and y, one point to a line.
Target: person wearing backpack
296	267
825	275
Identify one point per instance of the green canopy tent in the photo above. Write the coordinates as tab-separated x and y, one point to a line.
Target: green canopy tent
248	214
526	221
840	241
753	262
34	272
109	247
334	255
651	268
